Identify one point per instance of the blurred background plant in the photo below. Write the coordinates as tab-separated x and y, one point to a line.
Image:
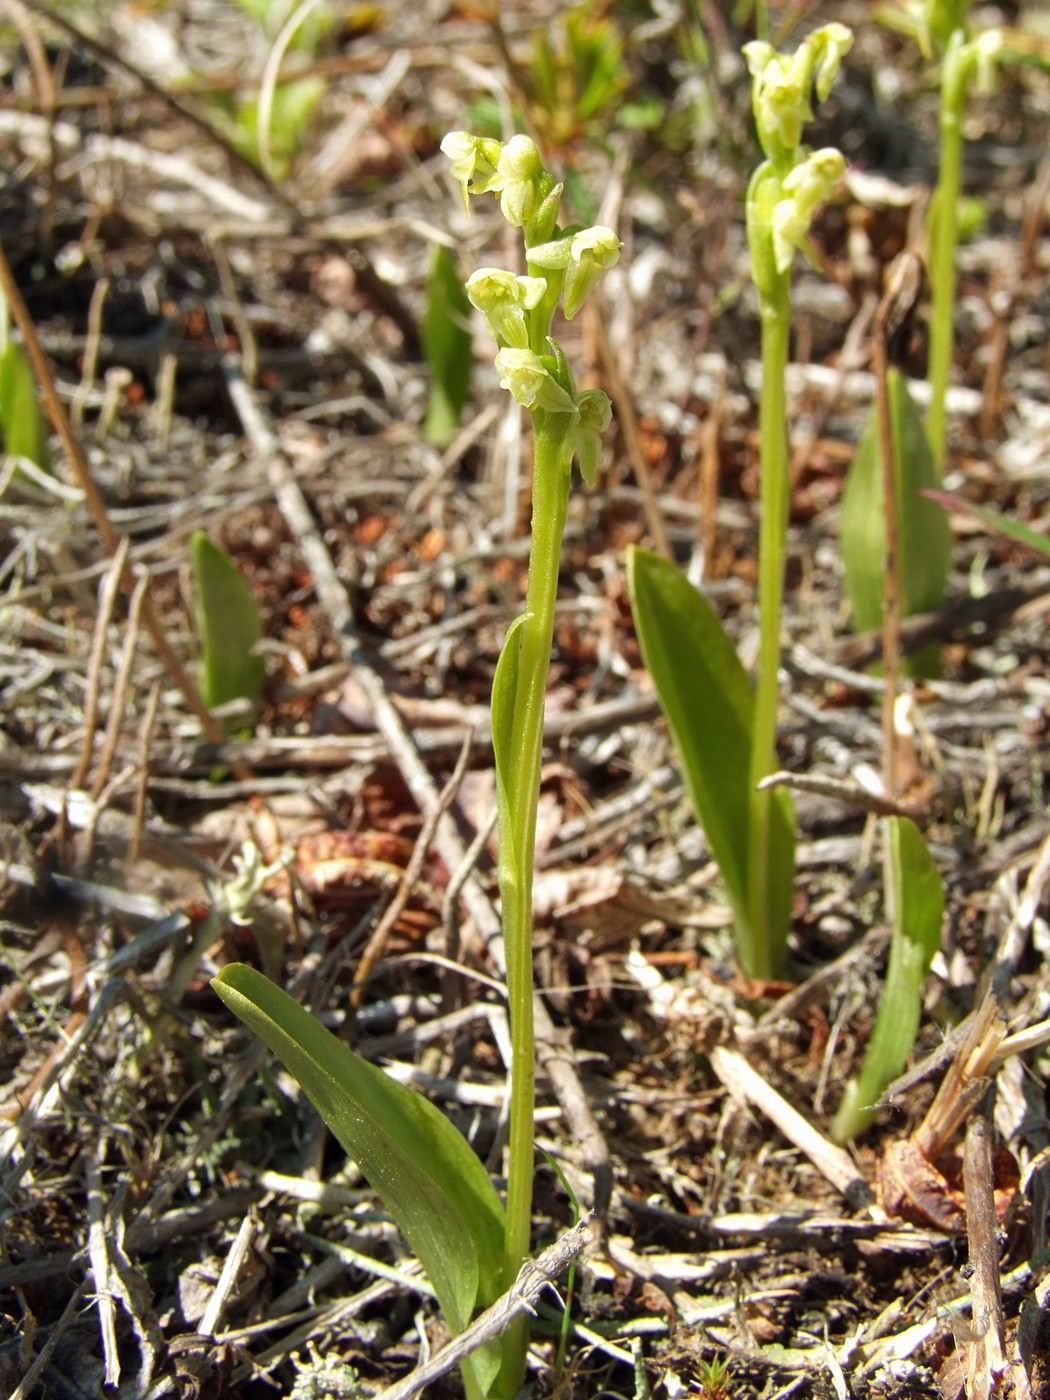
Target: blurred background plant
23	427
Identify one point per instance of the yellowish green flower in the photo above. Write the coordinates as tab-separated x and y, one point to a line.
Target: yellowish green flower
472	161
503	300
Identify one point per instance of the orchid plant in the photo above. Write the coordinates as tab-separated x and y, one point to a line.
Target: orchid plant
567	423
471	1244
725	729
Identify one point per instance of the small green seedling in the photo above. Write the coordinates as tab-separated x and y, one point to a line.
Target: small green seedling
710	711
229	625
916	897
924	542
23	427
448	346
424	1171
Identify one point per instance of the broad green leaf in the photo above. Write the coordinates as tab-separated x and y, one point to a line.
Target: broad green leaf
707	698
1003	525
229	625
448	346
923	533
425	1172
916	897
23	429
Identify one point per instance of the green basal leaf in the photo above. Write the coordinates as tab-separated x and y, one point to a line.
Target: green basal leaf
923	532
229	625
916	897
425	1172
23	428
1004	525
448	346
707	698
706	695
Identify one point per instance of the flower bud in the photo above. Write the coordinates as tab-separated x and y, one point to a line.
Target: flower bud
584	256
519	173
594	414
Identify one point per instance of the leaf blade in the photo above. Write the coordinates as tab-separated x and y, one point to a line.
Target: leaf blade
229	625
705	693
924	536
428	1176
916	895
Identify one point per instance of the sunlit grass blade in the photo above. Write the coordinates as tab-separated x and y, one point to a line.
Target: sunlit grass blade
229	625
916	896
423	1169
1005	525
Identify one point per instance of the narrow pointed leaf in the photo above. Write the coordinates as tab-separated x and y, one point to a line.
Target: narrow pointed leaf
1005	525
923	532
229	624
448	346
427	1175
916	897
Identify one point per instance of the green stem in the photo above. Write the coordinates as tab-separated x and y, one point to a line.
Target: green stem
763	952
944	238
518	836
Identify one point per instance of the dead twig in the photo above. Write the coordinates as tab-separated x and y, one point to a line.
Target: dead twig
986	1360
832	1162
373	949
535	1275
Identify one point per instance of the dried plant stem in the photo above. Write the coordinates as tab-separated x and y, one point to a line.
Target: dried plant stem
533	1277
985	1360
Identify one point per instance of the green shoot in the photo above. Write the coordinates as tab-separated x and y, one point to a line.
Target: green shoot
229	626
916	897
940	26
567	423
784	194
23	427
448	346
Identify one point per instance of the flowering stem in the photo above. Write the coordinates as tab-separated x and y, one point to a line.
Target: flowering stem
944	237
520	790
764	956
